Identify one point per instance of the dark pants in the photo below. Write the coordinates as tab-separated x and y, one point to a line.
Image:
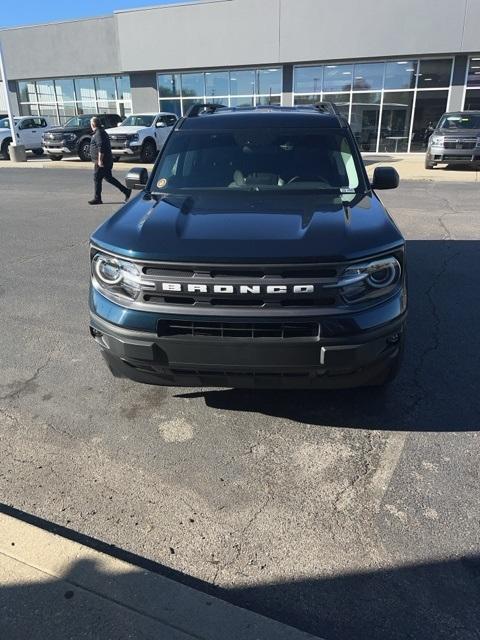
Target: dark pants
105	173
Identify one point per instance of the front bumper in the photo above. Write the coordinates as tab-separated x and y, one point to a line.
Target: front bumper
439	154
59	149
326	361
126	149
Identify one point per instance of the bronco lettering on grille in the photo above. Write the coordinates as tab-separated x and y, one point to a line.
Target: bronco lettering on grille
242	289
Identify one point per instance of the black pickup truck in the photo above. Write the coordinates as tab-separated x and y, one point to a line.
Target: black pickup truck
257	254
73	139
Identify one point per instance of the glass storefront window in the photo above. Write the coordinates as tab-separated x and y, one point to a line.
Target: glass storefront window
242	83
364	119
311	99
368	77
429	108
193	84
244	101
269	100
105	88
169	85
64	90
434	73
308	79
341	100
45	91
472	100
216	83
473	79
186	104
27	92
396	118
269	81
85	90
337	77
124	91
171	106
400	74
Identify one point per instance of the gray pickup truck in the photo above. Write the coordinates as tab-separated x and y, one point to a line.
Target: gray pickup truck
456	140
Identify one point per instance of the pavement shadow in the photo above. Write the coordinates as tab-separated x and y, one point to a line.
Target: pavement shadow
437	388
380	160
435	600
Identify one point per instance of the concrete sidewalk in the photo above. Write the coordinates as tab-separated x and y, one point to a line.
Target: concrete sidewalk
409	166
52	588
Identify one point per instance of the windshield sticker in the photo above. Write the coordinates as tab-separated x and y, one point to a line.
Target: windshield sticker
162	183
347	190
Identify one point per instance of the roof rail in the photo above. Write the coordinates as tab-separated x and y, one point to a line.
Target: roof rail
207	107
327	107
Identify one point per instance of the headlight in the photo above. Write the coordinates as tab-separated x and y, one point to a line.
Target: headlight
437	140
116	276
369	280
133	138
69	137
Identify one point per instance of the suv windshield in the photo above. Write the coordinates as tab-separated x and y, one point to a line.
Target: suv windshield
138	121
258	159
460	121
78	121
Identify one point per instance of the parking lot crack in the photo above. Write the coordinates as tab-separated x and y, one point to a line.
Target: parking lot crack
25	384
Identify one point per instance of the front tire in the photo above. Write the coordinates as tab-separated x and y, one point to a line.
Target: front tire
148	152
4	149
84	150
55	158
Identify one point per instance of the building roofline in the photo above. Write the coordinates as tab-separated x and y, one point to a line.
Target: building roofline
170	5
55	22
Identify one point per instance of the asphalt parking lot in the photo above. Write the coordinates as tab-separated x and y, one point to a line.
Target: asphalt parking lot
347	514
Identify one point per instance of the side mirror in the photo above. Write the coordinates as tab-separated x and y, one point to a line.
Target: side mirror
160	124
119	124
136	178
385	178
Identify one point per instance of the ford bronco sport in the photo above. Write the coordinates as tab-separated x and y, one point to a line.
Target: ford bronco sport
257	254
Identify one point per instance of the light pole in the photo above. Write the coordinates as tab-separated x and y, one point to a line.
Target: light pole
16	151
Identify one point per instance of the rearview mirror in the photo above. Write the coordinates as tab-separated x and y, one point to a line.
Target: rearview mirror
385	178
136	178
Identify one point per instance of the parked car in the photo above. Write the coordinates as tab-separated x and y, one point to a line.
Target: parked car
28	131
141	135
257	254
455	140
73	139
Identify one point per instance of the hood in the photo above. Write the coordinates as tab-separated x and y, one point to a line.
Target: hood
124	130
66	129
244	228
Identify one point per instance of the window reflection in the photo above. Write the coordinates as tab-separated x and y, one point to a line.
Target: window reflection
400	74
429	108
473	79
337	77
308	79
434	73
364	119
368	76
396	118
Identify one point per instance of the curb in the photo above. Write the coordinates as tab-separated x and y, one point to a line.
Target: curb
63	589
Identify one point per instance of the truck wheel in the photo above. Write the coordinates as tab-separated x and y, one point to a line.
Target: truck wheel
37	152
55	158
429	165
84	150
5	154
148	152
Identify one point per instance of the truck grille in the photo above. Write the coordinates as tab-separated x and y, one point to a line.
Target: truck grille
54	136
461	143
255	287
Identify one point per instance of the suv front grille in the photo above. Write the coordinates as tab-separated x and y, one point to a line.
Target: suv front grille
255	287
460	143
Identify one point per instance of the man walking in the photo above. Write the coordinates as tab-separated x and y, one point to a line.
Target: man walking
101	154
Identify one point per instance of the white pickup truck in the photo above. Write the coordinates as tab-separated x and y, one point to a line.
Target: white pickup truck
28	130
141	135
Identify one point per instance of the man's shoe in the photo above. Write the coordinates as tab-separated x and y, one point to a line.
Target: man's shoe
95	201
128	193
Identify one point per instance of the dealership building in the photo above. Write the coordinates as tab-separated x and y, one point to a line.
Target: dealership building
392	66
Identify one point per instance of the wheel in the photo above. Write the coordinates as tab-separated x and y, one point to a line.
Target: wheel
84	150
4	150
149	151
55	158
429	165
38	152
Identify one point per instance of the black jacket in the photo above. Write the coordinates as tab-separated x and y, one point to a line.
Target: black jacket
100	142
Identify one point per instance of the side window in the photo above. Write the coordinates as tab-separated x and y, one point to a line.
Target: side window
43	122
37	123
26	124
170	120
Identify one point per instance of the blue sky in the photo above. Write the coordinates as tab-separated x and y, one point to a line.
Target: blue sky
14	14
